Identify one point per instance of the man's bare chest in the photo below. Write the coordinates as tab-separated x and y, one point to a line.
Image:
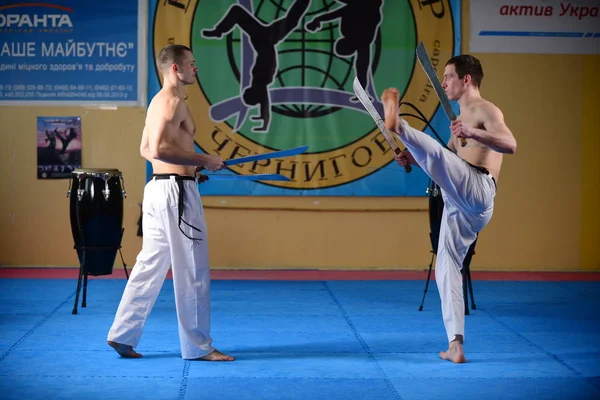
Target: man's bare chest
470	119
188	126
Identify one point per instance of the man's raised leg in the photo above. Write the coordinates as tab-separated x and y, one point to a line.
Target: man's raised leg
449	171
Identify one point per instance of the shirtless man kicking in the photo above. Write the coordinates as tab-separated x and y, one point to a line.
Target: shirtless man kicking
174	229
467	176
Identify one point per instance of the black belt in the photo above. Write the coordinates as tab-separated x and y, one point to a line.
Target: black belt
484	171
179	179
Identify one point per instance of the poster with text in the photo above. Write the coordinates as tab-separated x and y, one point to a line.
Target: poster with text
58	146
71	52
535	26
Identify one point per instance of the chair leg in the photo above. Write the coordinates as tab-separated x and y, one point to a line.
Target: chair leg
473	306
467	281
427	282
83	301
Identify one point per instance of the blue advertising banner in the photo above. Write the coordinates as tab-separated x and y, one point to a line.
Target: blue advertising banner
278	76
72	52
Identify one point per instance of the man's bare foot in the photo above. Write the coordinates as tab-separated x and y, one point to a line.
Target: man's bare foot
389	98
454	353
216	355
124	350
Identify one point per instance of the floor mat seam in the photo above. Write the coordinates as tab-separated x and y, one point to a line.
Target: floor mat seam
522	337
36	327
415	378
184	379
364	345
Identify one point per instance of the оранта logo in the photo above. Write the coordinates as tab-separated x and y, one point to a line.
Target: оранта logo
14	18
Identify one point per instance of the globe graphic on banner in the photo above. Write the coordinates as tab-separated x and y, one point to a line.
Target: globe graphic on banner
279	74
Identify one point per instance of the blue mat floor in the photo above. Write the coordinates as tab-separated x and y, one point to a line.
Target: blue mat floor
306	340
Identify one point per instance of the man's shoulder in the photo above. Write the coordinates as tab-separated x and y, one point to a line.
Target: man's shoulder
164	97
165	102
487	108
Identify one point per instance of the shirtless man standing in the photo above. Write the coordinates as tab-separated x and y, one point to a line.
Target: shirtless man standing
174	225
467	176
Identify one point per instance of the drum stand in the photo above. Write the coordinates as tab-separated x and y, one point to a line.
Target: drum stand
83	273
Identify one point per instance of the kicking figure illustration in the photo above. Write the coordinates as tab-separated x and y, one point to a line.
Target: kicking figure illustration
264	40
359	23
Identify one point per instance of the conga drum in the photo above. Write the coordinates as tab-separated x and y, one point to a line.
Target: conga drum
96	211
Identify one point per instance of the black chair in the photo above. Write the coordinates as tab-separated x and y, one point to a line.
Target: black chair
436	208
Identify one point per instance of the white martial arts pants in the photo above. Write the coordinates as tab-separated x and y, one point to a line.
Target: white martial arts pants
468	196
164	246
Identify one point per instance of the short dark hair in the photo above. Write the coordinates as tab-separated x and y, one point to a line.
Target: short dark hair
172	54
466	64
